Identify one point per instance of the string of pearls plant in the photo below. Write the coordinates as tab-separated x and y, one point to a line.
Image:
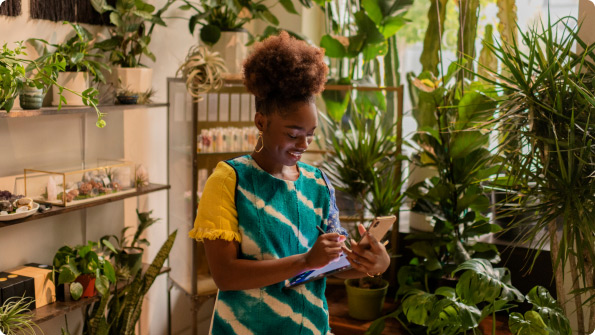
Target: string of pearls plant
202	71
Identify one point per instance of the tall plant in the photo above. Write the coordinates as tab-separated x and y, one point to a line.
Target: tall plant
549	112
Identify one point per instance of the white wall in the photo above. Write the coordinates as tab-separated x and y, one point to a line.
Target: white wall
137	135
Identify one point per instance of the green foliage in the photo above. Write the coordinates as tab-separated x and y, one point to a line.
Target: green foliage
118	313
454	144
548	127
133	23
15	317
481	291
71	262
145	221
75	53
363	162
17	72
216	16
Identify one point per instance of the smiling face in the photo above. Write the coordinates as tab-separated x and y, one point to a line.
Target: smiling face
287	135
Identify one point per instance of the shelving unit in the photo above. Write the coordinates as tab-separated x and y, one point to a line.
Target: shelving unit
58	309
45	111
56	210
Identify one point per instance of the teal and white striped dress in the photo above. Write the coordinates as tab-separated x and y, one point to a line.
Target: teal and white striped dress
276	218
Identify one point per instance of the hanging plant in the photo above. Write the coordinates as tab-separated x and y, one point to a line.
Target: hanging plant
203	71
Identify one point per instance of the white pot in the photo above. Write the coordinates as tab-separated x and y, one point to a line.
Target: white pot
417	174
76	81
135	79
232	48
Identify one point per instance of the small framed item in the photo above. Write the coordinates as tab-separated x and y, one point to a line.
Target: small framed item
378	228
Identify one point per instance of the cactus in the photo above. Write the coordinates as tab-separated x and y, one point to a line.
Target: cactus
430	55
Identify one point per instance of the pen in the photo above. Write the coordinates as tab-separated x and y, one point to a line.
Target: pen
320	230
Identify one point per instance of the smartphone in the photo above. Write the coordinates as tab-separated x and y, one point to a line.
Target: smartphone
379	227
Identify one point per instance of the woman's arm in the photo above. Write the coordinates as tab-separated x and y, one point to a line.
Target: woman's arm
231	273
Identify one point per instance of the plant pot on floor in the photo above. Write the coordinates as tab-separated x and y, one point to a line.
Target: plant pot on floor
31	97
365	303
232	48
76	81
133	79
130	258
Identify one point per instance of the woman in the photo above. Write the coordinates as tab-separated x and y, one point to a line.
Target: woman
258	213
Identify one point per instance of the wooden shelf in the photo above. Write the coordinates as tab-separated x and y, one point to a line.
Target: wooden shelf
60	308
22	113
56	210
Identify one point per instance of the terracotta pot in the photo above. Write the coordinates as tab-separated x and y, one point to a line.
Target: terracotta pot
88	282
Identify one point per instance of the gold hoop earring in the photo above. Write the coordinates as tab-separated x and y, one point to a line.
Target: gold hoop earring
261	142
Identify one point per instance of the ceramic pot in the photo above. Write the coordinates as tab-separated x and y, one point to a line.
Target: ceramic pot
31	98
417	174
127	99
365	303
131	258
76	81
133	79
232	48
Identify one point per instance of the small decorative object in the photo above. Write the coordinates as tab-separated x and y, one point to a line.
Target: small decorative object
44	288
127	99
31	97
142	176
13	285
202	71
103	179
14	206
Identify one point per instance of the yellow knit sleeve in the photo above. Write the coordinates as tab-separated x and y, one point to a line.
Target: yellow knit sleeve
217	214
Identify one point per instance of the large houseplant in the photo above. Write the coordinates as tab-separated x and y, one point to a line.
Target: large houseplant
80	61
132	22
547	119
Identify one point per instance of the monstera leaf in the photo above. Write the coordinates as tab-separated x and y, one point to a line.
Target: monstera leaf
530	324
549	310
481	282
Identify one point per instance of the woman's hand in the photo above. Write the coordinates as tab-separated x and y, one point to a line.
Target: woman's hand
372	259
326	249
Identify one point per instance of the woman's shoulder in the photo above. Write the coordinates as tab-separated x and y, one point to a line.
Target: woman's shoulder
223	171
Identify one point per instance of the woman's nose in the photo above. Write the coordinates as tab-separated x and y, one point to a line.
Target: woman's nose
303	143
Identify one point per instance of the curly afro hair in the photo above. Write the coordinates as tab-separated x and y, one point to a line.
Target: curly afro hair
281	71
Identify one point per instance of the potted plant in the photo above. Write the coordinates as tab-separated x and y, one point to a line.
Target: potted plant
14	69
222	25
547	113
482	291
203	71
119	312
128	250
84	270
78	59
15	317
133	23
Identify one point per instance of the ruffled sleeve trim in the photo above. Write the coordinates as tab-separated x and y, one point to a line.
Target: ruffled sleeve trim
200	234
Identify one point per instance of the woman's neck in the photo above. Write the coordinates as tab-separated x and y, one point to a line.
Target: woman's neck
274	168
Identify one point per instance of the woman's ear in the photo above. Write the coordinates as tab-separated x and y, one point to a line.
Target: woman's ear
260	121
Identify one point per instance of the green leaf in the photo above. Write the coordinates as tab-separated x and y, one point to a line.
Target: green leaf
102	284
76	290
482	283
115	19
268	16
371	51
418	305
333	48
531	324
109	272
288	5
67	275
549	310
367	27
185	7
392	25
373	10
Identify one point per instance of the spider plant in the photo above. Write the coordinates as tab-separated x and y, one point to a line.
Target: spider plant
547	126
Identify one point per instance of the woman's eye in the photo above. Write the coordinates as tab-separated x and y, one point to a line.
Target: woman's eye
292	136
